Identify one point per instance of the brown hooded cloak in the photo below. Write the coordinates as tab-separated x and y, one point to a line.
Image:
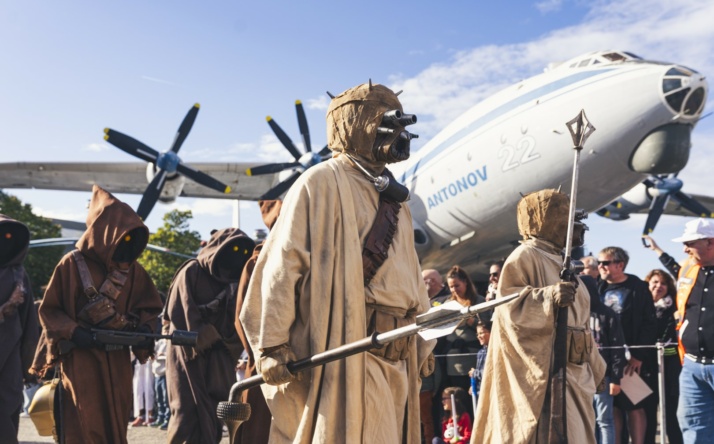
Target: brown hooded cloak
18	324
308	291
202	299
510	408
97	384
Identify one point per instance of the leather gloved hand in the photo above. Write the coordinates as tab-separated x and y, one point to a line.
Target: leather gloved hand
427	368
146	344
272	365
83	338
564	294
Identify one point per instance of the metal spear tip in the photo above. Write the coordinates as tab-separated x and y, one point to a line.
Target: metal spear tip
580	129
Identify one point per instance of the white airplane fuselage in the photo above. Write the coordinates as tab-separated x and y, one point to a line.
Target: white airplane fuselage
466	182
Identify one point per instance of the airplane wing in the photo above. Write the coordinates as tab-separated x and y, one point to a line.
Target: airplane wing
130	178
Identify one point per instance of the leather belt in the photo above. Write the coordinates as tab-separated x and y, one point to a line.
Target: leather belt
699	359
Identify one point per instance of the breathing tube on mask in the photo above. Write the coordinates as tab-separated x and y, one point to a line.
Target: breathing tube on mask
385	183
393	123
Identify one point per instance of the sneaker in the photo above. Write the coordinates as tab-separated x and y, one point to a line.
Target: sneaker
138	422
164	426
156	423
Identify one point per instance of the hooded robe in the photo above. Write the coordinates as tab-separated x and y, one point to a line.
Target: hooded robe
97	384
257	429
308	291
18	324
197	379
517	370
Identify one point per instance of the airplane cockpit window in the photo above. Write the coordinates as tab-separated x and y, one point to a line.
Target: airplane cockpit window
584	63
615	56
678	93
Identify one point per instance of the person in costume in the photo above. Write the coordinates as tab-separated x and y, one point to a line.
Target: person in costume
513	405
98	285
18	324
202	299
339	264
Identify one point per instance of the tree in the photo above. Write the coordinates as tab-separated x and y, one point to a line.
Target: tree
40	262
176	236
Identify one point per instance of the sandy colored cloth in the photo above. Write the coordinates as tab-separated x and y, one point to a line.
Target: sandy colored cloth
97	385
520	350
18	323
202	299
307	291
257	429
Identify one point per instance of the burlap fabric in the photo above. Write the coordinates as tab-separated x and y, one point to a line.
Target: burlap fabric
544	214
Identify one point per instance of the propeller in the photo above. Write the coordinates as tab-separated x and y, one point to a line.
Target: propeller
302	161
166	163
662	188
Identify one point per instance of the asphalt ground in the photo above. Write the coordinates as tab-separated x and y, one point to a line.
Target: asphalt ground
138	435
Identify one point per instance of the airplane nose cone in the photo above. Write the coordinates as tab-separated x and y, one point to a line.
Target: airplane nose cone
685	91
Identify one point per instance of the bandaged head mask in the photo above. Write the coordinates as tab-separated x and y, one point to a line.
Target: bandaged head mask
367	122
544	215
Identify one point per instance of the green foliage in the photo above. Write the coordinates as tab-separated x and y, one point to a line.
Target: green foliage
176	236
40	262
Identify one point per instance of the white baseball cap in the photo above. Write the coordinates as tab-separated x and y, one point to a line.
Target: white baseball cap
695	230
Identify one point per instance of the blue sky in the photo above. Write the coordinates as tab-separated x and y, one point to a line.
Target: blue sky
72	68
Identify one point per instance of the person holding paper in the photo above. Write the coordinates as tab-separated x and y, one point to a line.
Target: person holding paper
630	298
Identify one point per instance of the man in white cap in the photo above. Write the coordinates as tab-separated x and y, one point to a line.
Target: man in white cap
696	332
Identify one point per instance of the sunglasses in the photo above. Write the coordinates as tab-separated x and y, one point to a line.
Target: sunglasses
606	263
493	274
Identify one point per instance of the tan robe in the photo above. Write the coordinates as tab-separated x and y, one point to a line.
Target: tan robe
313	297
519	355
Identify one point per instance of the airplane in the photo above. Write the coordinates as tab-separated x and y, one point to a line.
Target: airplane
465	183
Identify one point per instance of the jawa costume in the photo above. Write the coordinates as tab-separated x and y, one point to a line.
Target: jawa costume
309	292
18	324
257	429
202	299
511	403
99	285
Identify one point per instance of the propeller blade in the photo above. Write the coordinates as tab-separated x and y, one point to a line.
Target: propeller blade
656	210
151	195
130	145
270	168
302	123
692	205
185	127
280	188
325	153
284	139
203	178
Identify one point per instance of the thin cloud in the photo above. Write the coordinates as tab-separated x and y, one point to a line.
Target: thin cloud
95	147
549	6
164	82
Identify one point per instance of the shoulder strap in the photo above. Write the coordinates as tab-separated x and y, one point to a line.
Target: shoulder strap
380	237
84	274
19	277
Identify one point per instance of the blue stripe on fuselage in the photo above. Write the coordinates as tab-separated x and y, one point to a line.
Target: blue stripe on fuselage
410	173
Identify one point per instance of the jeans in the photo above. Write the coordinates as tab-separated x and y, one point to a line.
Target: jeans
604	416
162	400
696	402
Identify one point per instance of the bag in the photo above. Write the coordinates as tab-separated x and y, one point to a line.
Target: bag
42	409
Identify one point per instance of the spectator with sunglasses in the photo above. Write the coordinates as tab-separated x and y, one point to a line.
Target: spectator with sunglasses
630	298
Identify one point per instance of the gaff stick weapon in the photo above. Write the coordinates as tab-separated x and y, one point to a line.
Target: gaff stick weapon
432	324
454	418
580	129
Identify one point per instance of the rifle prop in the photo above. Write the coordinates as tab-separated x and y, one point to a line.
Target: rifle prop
438	321
580	129
111	340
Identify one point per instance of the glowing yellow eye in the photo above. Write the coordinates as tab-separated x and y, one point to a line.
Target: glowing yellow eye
235	247
245	251
8	235
127	238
